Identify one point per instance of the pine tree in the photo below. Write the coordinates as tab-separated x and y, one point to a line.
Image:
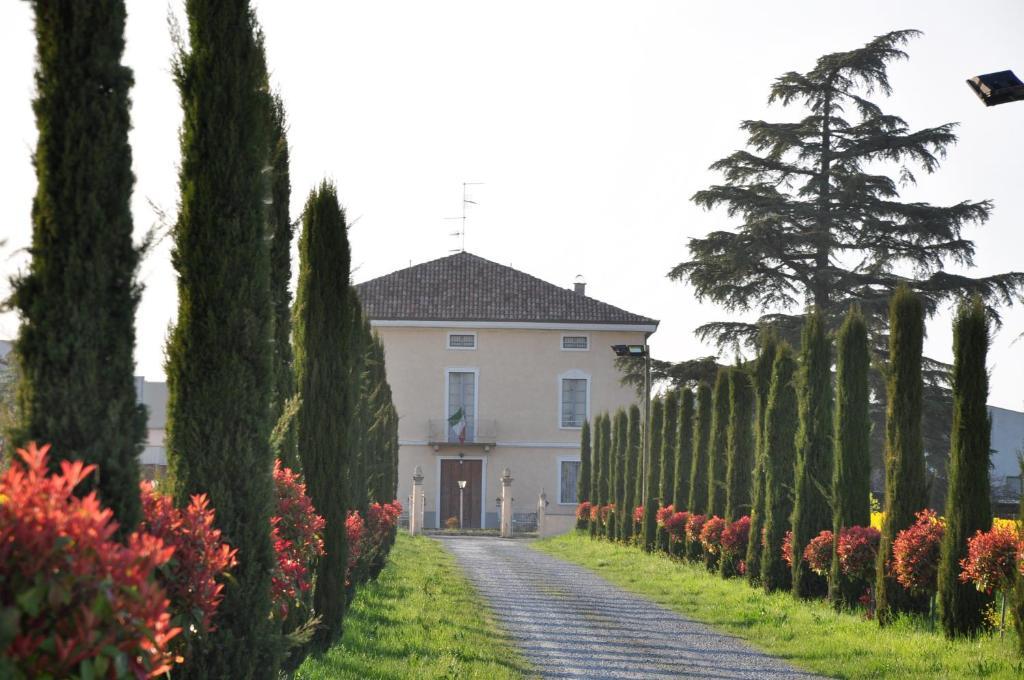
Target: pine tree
77	301
851	474
762	378
621	450
684	451
653	475
219	355
821	223
698	496
812	510
323	353
740	444
717	450
968	508
633	426
780	426
905	492
583	480
669	432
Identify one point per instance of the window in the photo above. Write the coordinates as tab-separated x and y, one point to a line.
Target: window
576	342
568	472
574	402
462	340
461	406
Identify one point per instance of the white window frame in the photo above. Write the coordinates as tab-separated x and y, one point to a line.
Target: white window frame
567	459
448	340
573	374
476	393
561	342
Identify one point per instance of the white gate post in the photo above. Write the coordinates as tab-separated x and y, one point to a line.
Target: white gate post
416	511
506	504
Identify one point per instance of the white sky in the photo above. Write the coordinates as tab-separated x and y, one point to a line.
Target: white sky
591	123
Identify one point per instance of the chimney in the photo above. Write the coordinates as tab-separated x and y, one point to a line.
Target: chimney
580	286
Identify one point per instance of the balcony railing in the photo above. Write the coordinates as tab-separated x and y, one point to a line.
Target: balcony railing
478	432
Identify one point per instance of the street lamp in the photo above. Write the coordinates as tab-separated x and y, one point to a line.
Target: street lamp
997	88
636	352
462	488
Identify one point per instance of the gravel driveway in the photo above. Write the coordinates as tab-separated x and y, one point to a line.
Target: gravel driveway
571	623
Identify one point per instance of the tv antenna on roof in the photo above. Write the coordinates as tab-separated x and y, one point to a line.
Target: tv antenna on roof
462	227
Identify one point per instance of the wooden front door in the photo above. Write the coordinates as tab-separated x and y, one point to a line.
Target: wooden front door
451	472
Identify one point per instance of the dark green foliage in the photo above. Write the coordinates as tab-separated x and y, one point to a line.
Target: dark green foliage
780	426
219	355
669	444
905	491
583	479
762	378
812	507
595	469
633	427
680	496
607	471
619	453
654	474
718	446
851	474
77	301
698	496
324	352
968	508
740	466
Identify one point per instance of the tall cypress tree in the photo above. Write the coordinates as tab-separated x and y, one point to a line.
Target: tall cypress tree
653	475
851	474
717	447
812	511
905	491
684	451
739	469
621	449
323	354
698	496
595	470
583	479
968	508
780	426
762	378
669	432
77	302
633	427
606	466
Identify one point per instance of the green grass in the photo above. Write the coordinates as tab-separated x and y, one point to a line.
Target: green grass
810	635
420	619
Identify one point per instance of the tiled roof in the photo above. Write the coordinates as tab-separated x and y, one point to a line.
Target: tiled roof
464	287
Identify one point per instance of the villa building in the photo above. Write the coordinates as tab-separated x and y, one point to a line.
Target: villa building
491	368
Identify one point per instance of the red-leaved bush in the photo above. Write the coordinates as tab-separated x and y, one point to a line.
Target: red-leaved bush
818	553
381	522
638	514
663	513
194	576
355	531
595	512
858	552
76	602
676	526
604	511
583	511
735	536
694	526
711	534
787	548
992	558
295	533
915	553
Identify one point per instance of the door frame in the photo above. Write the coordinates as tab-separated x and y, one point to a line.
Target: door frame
483	488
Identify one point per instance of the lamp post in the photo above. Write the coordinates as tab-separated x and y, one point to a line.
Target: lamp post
462	488
636	352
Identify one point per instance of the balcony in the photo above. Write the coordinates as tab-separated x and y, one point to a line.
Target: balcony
478	433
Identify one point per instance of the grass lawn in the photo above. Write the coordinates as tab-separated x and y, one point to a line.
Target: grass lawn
810	635
420	619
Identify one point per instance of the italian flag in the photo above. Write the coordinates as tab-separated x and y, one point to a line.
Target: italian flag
457	423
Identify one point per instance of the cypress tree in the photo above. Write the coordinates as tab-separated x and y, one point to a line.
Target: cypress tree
219	355
583	479
762	382
684	451
717	446
633	427
968	507
323	354
698	496
812	511
739	469
620	472
606	467
669	432
851	475
653	475
77	301
358	423
780	426
905	490
595	471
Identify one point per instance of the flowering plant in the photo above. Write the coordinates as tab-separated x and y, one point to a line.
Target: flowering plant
676	526
857	551
75	601
583	510
915	553
735	537
711	534
638	514
381	522
818	553
694	526
664	512
787	548
355	532
992	558
295	534
604	511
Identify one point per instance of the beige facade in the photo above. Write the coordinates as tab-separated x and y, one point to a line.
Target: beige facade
517	372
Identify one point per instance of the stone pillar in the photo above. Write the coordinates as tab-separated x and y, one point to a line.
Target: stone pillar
506	504
542	506
416	511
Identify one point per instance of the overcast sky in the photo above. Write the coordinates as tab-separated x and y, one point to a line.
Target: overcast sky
590	124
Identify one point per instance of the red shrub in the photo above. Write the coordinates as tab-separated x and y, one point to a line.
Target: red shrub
295	529
381	521
735	537
583	510
787	548
595	512
355	532
694	526
638	514
858	552
676	526
664	512
818	553
915	553
604	511
193	578
76	602
711	534
992	558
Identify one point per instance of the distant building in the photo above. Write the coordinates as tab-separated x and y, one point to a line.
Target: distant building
1007	447
153	395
